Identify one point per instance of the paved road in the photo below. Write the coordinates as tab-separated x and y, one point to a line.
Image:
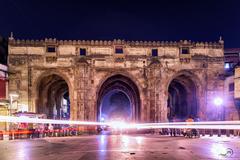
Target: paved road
120	147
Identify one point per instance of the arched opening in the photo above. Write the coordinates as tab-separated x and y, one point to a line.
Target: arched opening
53	97
118	99
182	98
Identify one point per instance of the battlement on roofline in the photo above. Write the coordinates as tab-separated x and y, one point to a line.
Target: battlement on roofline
54	41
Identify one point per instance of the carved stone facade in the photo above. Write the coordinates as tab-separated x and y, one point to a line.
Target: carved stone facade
146	68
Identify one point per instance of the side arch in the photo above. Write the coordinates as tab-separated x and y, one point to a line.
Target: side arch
53	89
183	90
37	80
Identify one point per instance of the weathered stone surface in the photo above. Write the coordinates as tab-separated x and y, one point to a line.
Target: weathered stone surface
29	63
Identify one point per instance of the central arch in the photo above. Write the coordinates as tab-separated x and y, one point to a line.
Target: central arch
118	98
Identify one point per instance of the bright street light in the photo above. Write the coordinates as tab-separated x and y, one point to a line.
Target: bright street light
102	119
218	101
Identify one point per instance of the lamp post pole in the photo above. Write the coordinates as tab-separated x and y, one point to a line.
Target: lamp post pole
219	104
11	102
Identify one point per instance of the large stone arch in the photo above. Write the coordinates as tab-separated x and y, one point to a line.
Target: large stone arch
59	82
188	73
186	88
124	83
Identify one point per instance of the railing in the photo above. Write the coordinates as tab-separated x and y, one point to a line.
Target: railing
30	134
199	132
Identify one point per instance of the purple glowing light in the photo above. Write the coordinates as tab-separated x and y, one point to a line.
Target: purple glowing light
218	101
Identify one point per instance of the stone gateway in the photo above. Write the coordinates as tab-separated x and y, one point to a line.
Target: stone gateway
68	79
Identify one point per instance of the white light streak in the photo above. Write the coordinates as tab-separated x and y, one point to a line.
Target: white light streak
139	140
24	119
191	126
122	125
193	123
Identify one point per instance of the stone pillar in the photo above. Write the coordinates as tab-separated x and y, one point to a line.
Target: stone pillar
215	88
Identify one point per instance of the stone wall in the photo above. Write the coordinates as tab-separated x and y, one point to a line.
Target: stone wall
29	62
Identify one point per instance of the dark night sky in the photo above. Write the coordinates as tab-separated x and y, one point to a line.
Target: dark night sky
203	20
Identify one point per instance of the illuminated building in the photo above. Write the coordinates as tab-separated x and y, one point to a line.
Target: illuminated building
161	80
4	103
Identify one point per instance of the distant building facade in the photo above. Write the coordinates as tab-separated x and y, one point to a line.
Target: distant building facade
162	80
231	60
232	91
4	102
3	50
3	71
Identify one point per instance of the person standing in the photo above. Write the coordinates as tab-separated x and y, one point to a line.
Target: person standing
189	130
50	128
173	130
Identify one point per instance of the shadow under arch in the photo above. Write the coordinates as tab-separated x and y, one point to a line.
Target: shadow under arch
183	93
53	95
121	84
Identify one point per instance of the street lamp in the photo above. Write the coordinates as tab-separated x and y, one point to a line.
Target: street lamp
218	103
102	119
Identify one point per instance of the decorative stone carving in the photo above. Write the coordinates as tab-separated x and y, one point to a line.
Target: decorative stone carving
86	74
17	60
119	60
51	59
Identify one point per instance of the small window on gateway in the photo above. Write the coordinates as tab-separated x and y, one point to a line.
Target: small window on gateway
119	50
51	49
154	52
185	50
227	66
83	52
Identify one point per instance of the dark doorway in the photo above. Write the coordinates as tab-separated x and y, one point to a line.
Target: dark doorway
182	99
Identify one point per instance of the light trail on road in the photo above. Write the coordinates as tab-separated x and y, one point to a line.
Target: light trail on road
122	125
24	119
213	126
194	123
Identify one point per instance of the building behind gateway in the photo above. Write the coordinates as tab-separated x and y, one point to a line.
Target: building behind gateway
69	79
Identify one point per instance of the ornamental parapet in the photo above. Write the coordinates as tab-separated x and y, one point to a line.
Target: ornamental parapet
54	41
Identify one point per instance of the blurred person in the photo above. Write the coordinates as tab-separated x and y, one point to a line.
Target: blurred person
50	129
188	131
196	131
173	130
